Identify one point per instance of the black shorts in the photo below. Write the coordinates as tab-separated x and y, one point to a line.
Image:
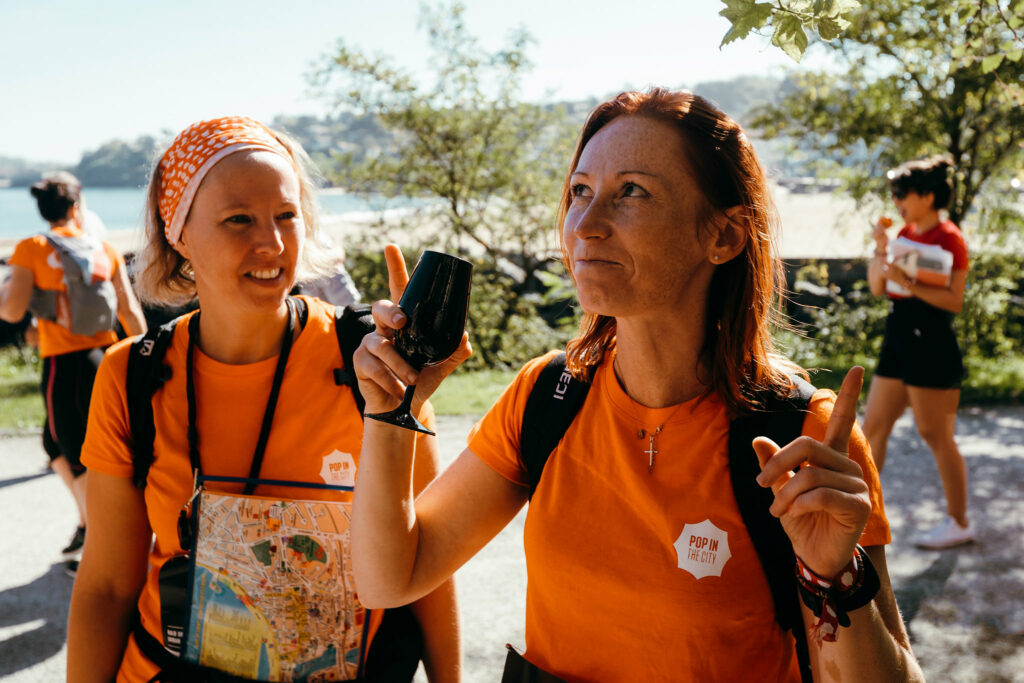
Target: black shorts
920	346
67	388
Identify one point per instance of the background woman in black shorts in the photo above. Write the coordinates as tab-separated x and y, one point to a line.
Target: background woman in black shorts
70	356
920	363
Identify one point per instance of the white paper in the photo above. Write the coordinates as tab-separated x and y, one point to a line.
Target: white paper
926	263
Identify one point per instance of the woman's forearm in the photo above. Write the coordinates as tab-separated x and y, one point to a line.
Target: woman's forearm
98	629
864	651
438	615
876	274
875	647
940	297
384	534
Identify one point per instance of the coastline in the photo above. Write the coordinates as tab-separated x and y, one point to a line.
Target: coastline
817	225
814	225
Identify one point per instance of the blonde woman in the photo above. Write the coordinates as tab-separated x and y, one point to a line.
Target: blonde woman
251	395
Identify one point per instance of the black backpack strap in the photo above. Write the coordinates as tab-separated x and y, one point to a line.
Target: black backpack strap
781	419
553	403
351	324
146	373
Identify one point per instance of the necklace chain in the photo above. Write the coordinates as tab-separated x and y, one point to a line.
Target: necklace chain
642	432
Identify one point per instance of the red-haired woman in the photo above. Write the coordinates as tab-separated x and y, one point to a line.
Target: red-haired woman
668	230
920	363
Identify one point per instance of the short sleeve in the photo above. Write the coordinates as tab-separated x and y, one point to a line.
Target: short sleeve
495	438
107	436
955	244
876	531
25	254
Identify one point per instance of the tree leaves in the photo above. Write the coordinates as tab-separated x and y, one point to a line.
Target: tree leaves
745	16
914	79
789	19
991	63
789	35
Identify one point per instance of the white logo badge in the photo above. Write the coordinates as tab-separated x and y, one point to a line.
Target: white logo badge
338	469
702	549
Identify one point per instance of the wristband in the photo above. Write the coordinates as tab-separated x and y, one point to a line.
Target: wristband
831	601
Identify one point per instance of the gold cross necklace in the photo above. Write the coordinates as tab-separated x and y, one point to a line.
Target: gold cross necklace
642	432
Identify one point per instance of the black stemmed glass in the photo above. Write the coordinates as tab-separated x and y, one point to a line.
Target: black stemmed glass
435	303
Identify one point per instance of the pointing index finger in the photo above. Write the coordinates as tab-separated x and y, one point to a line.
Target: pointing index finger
844	414
398	276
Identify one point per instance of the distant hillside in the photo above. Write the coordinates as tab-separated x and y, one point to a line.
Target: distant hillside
737	96
18	172
119	163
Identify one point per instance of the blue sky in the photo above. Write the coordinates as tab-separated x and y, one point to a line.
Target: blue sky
75	74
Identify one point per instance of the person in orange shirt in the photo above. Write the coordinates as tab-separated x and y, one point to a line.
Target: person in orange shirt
231	222
640	566
69	359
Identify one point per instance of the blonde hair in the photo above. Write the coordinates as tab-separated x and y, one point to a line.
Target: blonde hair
164	277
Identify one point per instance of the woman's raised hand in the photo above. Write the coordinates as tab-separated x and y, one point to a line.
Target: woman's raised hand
824	506
881	238
382	372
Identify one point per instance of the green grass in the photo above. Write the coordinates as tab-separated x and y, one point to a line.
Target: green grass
989	381
994	380
470	393
21	403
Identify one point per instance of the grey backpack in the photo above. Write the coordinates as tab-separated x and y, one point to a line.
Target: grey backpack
90	303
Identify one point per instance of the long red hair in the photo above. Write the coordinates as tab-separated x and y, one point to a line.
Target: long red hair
738	352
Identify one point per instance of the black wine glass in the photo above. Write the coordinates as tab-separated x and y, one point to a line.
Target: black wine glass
435	303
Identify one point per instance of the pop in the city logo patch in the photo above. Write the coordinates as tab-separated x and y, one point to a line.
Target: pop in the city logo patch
702	549
338	469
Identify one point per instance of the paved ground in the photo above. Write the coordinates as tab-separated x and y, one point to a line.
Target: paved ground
965	607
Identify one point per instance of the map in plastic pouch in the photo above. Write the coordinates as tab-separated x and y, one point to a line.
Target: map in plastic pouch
272	595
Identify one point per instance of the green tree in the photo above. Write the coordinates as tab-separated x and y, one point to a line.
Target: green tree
898	95
489	165
790	21
994	26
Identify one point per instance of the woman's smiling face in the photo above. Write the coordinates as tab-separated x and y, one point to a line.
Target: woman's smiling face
631	230
245	232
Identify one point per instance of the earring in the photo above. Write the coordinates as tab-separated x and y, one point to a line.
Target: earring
714	258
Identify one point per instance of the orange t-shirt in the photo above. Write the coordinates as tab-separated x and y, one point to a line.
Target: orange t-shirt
314	421
638	576
36	254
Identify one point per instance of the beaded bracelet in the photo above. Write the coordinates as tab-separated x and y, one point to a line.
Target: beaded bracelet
832	600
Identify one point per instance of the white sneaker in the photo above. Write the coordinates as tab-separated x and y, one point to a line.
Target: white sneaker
946	534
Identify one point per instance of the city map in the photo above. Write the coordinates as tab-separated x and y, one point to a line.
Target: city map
272	596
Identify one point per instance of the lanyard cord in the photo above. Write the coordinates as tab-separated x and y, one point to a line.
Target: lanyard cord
268	413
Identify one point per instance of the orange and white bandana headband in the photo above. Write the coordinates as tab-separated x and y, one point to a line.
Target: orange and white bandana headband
194	152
